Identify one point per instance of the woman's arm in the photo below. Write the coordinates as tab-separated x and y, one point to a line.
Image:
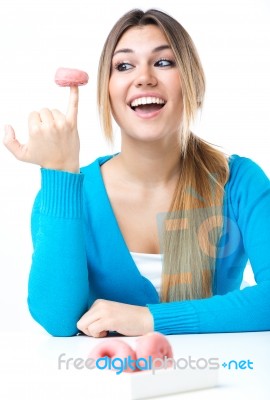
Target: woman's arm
238	310
58	291
58	281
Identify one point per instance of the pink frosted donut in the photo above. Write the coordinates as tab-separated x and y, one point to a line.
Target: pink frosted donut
157	346
70	77
114	348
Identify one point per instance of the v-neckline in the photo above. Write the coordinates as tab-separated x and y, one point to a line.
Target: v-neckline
100	162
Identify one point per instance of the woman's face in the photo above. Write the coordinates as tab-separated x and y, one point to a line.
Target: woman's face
145	86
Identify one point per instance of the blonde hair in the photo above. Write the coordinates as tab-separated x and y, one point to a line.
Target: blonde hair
195	214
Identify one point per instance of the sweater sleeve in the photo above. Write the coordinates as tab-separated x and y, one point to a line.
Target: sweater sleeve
58	288
237	310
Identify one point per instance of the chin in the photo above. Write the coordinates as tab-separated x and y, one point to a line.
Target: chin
148	137
146	134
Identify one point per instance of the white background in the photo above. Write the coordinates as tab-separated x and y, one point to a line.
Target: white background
38	36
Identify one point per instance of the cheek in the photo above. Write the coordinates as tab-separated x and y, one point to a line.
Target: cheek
176	89
178	95
116	94
178	102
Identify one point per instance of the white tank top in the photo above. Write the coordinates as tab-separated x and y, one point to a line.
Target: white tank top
150	266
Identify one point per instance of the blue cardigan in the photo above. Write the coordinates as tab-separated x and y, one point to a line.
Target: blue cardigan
80	255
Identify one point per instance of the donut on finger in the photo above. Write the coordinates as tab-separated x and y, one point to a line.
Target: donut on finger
70	77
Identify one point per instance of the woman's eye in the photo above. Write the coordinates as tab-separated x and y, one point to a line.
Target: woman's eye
123	66
164	63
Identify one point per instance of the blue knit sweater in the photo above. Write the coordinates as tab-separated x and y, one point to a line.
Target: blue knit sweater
80	256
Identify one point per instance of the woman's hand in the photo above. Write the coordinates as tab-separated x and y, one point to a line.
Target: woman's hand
105	315
53	138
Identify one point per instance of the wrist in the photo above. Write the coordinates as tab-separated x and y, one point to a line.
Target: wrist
69	167
148	321
61	193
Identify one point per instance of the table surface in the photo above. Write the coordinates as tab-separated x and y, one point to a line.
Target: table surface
29	366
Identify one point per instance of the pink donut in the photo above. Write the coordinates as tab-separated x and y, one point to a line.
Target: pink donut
70	77
114	348
157	346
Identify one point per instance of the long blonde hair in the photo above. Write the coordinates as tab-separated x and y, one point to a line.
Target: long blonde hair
193	225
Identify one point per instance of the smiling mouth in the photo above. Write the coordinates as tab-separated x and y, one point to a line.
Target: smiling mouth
147	105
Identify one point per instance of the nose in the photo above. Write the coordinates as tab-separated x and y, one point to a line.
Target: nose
145	77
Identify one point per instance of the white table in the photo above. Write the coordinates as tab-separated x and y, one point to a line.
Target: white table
29	367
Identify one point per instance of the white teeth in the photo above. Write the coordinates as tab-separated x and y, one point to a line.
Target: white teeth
147	100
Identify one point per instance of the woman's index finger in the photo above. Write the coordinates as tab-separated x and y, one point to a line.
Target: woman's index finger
73	104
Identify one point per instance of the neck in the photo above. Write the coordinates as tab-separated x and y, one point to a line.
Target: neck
150	164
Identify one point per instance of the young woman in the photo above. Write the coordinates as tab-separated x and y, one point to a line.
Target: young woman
156	237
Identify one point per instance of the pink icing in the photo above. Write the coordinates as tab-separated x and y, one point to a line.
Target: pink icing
157	346
152	344
70	77
113	348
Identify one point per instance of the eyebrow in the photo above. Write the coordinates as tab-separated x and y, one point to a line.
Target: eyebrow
155	50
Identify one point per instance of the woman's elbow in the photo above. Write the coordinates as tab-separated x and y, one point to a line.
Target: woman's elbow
55	325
